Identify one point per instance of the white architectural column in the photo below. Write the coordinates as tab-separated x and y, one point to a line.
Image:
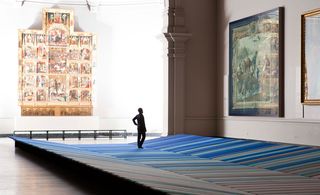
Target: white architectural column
177	37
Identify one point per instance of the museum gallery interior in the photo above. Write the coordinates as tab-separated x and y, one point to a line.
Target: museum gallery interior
230	93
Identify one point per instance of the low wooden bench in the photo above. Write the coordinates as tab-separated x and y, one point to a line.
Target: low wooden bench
63	133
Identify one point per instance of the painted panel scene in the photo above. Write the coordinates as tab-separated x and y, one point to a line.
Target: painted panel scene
255	65
55	67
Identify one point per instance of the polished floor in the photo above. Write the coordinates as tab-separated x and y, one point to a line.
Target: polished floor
24	174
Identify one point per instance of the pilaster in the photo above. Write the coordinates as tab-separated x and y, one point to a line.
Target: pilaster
177	37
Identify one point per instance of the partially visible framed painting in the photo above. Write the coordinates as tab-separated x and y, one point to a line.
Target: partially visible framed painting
256	65
310	57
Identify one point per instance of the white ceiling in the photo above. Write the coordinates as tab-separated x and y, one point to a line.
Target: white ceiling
91	2
92	5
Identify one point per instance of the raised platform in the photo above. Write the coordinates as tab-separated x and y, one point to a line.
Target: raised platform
186	164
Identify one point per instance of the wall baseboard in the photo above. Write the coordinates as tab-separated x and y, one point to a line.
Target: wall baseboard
296	131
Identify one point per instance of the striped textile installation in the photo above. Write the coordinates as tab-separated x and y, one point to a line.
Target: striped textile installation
188	164
178	154
159	179
287	158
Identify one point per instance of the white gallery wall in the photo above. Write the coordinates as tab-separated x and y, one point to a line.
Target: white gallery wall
299	125
129	71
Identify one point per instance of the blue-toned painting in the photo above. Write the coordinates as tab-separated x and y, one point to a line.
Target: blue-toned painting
255	65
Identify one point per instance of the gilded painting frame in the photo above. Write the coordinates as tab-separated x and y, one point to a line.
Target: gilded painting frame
256	65
310	61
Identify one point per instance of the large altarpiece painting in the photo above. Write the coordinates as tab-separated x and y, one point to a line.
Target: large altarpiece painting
55	67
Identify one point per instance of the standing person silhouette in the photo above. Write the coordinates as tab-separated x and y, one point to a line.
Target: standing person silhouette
139	121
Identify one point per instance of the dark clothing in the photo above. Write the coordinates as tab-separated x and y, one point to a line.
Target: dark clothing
141	137
139	121
141	125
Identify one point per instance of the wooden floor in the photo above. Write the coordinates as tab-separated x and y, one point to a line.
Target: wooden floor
21	173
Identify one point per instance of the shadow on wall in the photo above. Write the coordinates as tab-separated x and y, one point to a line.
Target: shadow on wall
37	24
223	30
77	27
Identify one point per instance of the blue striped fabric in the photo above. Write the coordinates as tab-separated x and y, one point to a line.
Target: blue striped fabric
247	147
263	154
159	179
203	165
225	165
287	158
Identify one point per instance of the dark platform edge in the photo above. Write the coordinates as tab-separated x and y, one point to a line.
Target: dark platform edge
100	182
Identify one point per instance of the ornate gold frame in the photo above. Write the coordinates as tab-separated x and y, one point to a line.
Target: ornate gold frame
55	67
305	85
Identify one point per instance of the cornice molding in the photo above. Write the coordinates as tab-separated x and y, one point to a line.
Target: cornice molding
178	37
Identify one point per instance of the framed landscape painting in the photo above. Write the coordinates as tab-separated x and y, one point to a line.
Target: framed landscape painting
256	65
310	61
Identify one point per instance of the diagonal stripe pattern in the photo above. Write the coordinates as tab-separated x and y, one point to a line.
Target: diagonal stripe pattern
213	165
